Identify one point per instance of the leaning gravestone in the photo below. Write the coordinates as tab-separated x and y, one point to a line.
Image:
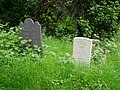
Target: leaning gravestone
82	48
32	31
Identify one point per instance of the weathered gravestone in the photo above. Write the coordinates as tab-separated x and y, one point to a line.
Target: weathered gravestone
32	31
82	48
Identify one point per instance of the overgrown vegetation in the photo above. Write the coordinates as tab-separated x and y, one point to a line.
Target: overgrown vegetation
88	18
24	69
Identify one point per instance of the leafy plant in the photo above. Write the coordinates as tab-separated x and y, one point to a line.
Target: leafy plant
66	28
101	50
10	40
103	16
56	69
84	28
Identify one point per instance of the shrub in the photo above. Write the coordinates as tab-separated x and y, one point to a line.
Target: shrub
11	41
103	16
66	28
84	28
102	49
13	11
99	18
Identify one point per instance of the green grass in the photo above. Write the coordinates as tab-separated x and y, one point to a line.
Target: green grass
56	69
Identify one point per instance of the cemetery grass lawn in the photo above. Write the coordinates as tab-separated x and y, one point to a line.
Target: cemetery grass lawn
56	70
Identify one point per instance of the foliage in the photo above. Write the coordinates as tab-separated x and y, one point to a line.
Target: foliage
94	19
101	50
103	16
55	70
84	28
13	43
13	11
66	28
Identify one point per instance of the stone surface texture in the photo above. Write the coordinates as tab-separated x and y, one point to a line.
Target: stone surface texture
82	48
31	31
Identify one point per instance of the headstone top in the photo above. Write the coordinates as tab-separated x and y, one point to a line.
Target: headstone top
83	38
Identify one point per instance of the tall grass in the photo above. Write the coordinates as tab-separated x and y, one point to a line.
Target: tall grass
55	70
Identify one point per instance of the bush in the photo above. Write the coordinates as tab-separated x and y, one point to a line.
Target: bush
11	41
61	18
66	28
13	11
101	50
103	16
84	28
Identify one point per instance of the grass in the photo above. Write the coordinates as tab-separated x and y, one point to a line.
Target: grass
56	69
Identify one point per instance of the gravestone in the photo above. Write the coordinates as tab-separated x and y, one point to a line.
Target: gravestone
82	48
32	31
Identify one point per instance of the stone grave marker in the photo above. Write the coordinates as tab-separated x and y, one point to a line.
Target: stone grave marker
82	48
31	30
